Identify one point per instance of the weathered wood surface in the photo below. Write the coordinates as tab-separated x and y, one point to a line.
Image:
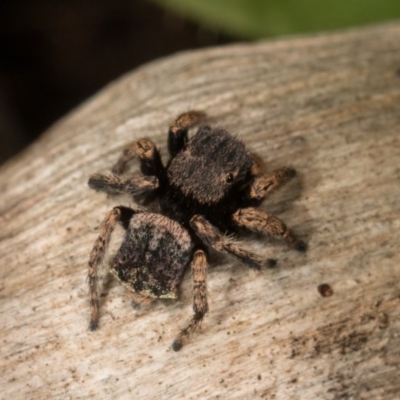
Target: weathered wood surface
328	105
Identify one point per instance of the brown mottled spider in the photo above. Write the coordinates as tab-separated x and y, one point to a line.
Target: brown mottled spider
209	189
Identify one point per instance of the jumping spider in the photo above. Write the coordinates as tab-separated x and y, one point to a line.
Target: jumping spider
209	189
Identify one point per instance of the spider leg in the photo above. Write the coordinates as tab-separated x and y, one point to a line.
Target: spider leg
149	156
212	237
117	214
266	224
115	184
265	184
200	305
178	131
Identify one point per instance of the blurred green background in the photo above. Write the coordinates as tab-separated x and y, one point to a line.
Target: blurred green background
254	19
55	54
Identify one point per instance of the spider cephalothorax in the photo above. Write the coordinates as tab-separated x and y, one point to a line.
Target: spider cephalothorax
211	163
210	188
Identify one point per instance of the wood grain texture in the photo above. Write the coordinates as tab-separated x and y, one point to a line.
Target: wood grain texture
328	105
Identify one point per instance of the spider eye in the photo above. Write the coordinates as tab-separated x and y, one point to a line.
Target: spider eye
229	178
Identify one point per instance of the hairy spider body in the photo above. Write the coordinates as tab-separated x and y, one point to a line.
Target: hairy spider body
206	178
154	256
209	189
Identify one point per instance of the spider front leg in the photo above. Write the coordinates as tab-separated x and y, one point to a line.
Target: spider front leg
178	131
263	185
149	156
117	214
114	184
266	224
200	305
212	237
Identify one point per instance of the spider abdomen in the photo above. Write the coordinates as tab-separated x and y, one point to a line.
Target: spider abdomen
153	256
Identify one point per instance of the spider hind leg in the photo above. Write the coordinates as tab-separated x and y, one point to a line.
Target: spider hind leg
117	214
200	305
